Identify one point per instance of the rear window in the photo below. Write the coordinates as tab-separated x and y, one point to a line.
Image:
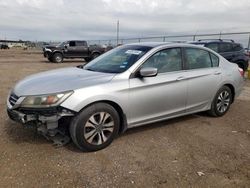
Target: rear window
237	47
225	47
197	58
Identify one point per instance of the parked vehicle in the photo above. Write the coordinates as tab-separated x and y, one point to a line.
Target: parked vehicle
129	86
4	46
72	49
247	52
233	52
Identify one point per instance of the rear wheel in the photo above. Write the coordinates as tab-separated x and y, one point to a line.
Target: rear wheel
57	58
221	102
95	127
95	55
87	59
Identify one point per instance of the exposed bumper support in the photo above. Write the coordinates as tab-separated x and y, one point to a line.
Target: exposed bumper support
46	125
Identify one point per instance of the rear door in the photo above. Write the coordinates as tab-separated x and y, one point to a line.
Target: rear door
204	77
154	98
81	49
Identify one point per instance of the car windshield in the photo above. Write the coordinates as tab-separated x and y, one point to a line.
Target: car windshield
117	60
61	44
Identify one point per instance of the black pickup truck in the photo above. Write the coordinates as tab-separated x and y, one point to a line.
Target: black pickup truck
72	49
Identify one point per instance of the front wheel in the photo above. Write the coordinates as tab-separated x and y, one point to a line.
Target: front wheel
57	58
95	127
221	102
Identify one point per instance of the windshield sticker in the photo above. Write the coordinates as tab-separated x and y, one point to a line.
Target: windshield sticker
125	63
134	52
122	66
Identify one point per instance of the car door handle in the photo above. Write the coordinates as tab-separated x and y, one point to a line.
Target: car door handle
217	73
180	78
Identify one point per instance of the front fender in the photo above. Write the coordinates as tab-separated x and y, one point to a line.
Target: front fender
117	93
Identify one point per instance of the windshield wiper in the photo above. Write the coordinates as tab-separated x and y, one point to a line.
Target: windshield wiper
89	69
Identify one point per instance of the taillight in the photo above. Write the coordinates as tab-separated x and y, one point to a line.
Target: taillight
241	71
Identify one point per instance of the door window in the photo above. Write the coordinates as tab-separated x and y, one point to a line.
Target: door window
197	58
81	43
72	43
167	60
215	60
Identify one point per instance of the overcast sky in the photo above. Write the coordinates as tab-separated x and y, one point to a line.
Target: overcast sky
96	19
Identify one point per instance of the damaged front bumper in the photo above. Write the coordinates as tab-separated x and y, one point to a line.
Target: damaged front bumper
49	122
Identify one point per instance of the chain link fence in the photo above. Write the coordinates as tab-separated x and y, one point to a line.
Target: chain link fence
241	37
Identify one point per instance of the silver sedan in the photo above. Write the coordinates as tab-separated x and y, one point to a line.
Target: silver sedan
129	86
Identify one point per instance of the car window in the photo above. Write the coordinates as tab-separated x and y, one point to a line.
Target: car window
225	47
72	43
197	58
237	47
213	46
167	60
215	60
81	43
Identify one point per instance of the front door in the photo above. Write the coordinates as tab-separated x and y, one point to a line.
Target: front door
162	96
71	49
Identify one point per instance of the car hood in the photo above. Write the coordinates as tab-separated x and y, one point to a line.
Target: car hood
59	80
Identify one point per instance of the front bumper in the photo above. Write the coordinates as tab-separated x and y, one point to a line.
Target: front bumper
53	126
20	117
47	53
23	118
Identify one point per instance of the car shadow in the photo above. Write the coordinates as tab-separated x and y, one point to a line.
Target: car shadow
158	125
65	61
147	127
17	133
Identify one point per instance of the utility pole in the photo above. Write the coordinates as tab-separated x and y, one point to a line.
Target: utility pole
117	32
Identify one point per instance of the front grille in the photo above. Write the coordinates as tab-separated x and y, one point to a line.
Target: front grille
13	99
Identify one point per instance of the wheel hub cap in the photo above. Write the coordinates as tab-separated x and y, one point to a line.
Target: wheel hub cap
98	128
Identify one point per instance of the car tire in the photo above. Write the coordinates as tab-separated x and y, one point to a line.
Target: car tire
87	59
95	55
57	58
221	102
50	59
95	127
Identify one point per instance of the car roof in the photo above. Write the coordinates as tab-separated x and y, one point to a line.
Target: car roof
163	44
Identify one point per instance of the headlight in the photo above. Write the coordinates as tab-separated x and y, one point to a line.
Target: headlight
44	101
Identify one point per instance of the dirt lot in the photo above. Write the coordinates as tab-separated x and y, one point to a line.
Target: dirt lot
192	151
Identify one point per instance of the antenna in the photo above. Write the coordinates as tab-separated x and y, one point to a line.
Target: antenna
117	32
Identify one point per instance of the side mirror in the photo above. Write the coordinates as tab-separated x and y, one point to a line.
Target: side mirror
148	72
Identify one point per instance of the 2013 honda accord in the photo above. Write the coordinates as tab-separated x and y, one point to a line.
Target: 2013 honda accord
129	86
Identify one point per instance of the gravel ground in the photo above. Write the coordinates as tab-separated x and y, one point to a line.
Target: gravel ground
191	151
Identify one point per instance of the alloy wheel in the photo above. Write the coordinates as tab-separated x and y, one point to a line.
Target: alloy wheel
223	101
98	128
